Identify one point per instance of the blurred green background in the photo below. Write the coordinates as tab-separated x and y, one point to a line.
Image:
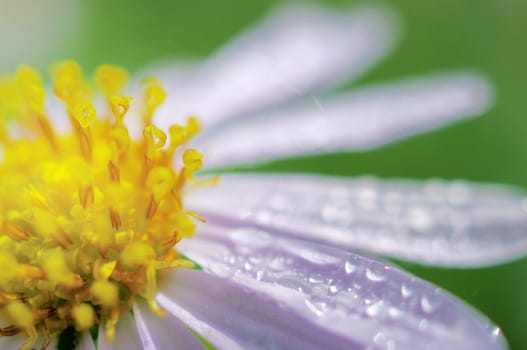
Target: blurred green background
487	35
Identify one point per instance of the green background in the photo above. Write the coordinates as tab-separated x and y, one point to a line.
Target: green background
488	35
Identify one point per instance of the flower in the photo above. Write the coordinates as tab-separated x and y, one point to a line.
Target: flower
276	267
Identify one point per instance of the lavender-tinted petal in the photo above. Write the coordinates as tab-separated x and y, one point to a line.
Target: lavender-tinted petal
284	293
353	121
450	223
242	318
14	342
126	335
295	50
160	333
86	342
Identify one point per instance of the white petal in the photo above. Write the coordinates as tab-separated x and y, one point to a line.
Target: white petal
295	50
160	333
433	222
15	342
354	121
34	31
86	342
9	343
126	335
294	295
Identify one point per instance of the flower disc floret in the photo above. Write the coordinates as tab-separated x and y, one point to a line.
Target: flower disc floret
88	217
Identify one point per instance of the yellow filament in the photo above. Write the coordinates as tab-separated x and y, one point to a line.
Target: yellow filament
87	218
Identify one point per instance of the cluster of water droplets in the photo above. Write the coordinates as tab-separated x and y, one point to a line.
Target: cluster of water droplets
368	300
439	222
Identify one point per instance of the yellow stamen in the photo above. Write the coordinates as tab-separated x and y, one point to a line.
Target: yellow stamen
89	217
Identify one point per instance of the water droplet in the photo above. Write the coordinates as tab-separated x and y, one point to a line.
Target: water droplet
251	238
375	308
406	292
394	312
247	266
428	305
221	270
259	275
380	339
292	282
349	267
420	219
318	312
375	274
315	256
255	260
316	279
348	299
336	287
496	332
423	324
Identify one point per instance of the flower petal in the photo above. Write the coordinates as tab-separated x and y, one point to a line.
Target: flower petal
16	342
295	50
38	31
281	293
433	222
159	333
86	342
353	121
126	335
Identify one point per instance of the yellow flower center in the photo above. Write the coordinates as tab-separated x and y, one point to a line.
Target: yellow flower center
89	217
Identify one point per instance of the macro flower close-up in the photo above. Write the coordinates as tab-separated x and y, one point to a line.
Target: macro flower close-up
123	228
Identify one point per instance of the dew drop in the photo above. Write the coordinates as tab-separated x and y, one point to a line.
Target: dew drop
428	305
313	308
496	332
375	275
394	312
375	309
349	267
247	266
406	292
221	270
259	275
336	287
277	264
380	339
347	298
315	279
251	238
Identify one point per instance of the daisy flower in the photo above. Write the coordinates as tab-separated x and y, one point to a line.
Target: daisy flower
104	242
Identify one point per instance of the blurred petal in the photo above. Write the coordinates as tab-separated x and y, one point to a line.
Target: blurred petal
288	294
15	342
126	335
434	222
159	333
35	31
86	342
353	121
295	50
